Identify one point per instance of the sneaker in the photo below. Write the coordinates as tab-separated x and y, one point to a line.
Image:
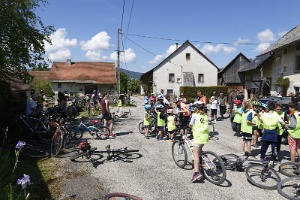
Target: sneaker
196	177
157	137
255	145
112	136
147	137
215	120
243	153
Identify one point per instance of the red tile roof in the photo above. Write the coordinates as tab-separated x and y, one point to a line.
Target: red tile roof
83	72
40	75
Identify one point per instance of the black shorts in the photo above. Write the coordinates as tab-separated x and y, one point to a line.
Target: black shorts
255	128
107	117
185	122
247	136
213	112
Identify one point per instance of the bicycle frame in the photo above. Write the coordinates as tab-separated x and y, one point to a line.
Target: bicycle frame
33	130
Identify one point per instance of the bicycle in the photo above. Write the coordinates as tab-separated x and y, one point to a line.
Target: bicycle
235	162
290	188
212	168
101	132
263	175
290	169
34	150
152	127
120	196
133	102
86	152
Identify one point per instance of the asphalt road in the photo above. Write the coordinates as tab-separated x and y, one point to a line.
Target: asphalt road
152	174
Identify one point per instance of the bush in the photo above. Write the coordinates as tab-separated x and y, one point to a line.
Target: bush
190	92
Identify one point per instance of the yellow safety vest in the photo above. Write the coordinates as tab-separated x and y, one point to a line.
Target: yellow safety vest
246	128
171	123
295	133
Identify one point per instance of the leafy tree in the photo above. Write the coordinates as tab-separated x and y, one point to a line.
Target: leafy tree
123	82
22	37
133	85
42	85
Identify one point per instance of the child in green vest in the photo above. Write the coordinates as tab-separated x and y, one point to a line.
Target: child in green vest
171	124
255	121
160	121
147	120
246	127
270	122
294	132
119	104
280	128
199	126
238	111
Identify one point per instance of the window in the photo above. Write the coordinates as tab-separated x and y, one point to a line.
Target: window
279	71
200	77
284	69
171	77
297	63
59	85
188	56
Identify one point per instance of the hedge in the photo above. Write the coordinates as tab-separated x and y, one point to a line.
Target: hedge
190	92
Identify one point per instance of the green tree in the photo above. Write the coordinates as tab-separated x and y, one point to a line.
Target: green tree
22	37
42	85
133	85
123	82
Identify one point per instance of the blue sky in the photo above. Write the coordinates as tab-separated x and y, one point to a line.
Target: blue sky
86	30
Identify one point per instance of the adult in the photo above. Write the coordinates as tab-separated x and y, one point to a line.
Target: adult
182	97
223	101
214	102
201	97
62	105
230	102
185	112
31	106
94	101
240	96
106	114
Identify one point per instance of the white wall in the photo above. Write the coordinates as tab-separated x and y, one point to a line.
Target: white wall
197	64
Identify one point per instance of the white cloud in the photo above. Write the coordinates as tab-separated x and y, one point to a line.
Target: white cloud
209	48
160	57
241	41
93	55
127	56
60	55
59	41
99	42
262	46
266	36
282	33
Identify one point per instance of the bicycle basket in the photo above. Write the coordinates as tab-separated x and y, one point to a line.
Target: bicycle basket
84	146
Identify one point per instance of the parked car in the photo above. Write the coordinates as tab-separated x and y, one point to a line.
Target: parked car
283	100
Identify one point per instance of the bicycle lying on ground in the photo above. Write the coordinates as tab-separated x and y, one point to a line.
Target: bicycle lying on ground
290	188
86	152
212	165
290	169
237	163
263	175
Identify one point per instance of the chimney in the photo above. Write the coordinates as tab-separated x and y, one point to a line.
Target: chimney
68	61
176	46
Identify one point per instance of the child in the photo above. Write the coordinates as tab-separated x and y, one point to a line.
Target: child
294	133
119	104
280	128
255	120
171	124
147	120
238	117
160	121
246	127
262	110
270	122
199	126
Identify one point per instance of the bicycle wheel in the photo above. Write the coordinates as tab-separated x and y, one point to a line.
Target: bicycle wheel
76	133
179	153
213	168
102	132
290	188
116	118
57	142
83	153
141	128
33	152
266	180
120	196
289	169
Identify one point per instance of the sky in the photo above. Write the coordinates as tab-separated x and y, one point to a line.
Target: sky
87	30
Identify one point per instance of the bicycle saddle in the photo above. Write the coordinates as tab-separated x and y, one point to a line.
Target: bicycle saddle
95	121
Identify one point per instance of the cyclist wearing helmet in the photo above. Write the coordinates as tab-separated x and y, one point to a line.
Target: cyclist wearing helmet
171	124
280	128
237	120
199	126
147	120
160	121
159	101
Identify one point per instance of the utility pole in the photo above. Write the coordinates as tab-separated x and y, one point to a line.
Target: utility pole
118	72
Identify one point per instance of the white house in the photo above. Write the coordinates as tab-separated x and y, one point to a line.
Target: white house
286	61
186	66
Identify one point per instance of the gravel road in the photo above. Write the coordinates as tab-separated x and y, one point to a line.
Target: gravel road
152	174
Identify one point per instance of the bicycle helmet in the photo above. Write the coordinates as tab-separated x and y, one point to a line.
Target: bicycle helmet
255	103
160	97
147	107
146	101
170	111
238	102
263	105
199	104
84	146
159	106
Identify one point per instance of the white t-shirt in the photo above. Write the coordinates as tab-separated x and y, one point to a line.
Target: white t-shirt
214	103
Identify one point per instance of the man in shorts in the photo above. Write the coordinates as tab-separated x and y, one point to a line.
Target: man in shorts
106	114
184	110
